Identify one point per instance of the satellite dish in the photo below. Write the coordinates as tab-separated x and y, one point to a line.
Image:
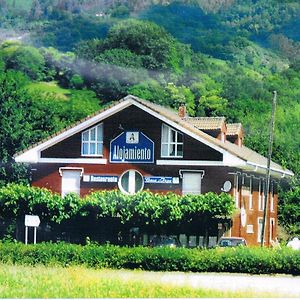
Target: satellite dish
226	186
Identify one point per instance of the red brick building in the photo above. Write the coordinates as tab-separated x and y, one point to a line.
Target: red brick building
134	145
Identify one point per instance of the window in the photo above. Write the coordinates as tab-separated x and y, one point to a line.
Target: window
237	194
250	194
191	182
272	229
171	142
131	182
92	141
261	195
260	229
70	181
272	198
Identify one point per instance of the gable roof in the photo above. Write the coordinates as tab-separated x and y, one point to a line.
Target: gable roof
206	123
233	155
234	128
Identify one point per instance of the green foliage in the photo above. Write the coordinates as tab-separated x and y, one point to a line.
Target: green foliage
141	209
236	260
26	59
289	213
151	42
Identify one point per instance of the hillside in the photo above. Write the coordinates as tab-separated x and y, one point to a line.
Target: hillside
64	59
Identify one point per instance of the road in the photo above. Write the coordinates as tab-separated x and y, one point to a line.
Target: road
272	285
277	285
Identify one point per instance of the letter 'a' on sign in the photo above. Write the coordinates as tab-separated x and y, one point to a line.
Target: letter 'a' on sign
131	147
32	221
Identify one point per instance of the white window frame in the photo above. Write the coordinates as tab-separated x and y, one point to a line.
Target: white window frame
198	172
259	229
62	170
251	193
261	195
236	191
170	143
272	198
90	141
131	182
271	237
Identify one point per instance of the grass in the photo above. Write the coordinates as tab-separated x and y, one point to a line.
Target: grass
50	87
79	282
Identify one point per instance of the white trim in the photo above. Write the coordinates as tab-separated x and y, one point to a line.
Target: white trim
60	170
32	155
272	198
251	193
131	182
259	232
283	172
202	172
177	162
270	229
96	161
236	191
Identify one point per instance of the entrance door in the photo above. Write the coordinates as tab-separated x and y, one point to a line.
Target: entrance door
191	183
70	182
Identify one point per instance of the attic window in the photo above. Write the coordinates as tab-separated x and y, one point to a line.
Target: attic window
171	142
92	141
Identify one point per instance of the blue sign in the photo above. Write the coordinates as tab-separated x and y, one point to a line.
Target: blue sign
131	147
161	179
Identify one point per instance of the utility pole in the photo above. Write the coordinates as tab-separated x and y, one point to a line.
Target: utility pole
267	181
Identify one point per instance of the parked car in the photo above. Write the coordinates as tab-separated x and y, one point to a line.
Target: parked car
232	242
164	241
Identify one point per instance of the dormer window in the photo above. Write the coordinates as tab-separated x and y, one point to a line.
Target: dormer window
171	142
92	141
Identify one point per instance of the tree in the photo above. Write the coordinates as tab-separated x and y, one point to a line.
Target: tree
28	60
151	42
289	213
15	125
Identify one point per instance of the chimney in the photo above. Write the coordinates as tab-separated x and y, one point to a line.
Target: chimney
182	110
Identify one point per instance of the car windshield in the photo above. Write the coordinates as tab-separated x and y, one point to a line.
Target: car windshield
164	241
231	242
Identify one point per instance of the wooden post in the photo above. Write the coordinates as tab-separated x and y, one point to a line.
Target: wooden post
267	187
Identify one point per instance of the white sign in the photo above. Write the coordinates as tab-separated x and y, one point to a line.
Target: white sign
161	179
132	137
32	221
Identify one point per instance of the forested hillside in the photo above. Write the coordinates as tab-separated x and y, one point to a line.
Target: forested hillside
62	60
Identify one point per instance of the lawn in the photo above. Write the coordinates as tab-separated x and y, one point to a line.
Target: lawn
50	87
79	282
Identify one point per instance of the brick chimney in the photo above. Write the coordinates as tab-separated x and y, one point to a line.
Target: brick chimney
182	110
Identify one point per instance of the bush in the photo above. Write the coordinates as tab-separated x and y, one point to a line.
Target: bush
237	260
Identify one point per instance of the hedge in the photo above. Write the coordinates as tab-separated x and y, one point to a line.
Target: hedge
234	260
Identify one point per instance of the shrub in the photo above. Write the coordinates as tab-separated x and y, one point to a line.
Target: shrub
235	260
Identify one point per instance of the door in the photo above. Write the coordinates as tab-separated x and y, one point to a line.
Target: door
70	182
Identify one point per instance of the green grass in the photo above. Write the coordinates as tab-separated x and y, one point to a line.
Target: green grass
80	282
49	87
